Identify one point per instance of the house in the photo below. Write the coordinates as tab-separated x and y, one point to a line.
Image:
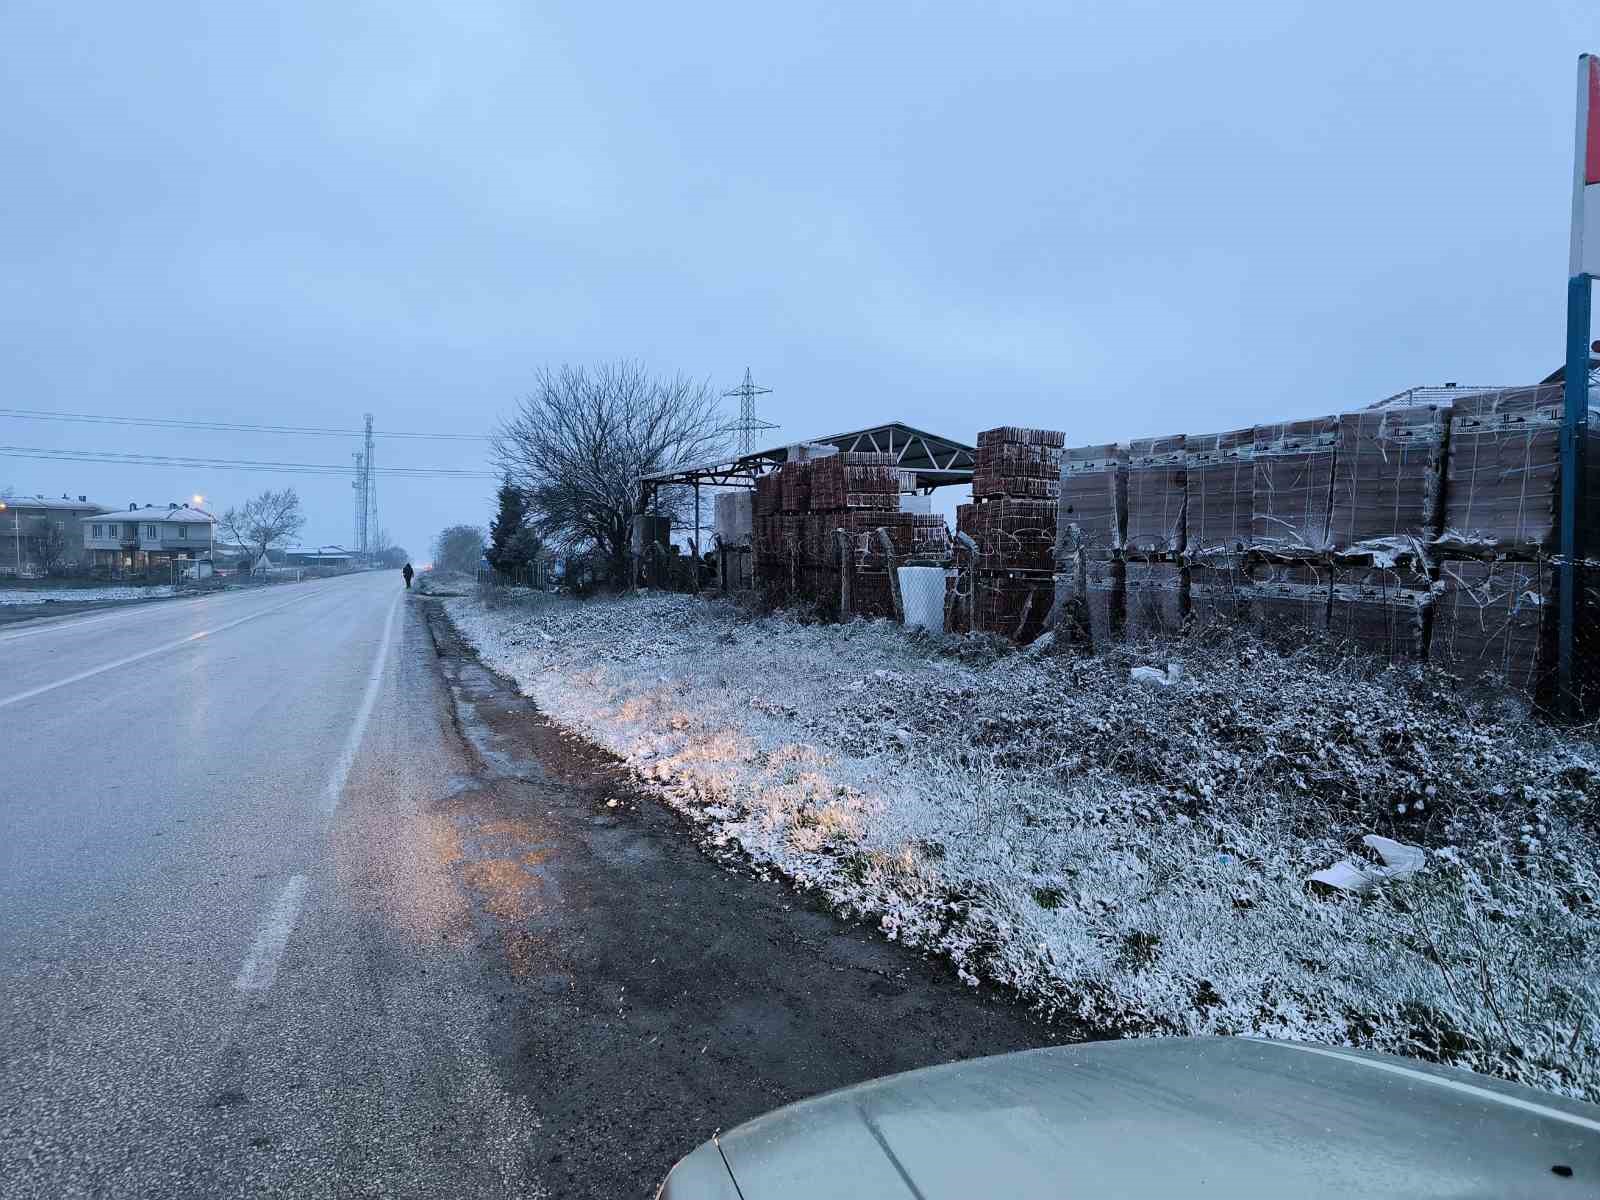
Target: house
318	556
39	532
136	538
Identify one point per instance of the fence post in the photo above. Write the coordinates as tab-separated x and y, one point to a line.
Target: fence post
887	544
966	597
844	550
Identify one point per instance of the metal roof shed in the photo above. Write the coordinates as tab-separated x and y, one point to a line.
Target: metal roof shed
937	461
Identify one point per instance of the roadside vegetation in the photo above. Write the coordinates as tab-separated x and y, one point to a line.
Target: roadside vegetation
1128	855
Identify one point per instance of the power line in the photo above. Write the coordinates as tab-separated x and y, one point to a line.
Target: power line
122	458
35	414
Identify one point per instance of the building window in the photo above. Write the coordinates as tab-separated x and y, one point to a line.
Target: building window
96	532
183	532
150	531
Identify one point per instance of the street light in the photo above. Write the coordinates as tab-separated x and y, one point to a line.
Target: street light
211	537
16	525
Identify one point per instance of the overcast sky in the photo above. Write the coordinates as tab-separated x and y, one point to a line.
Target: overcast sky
1113	219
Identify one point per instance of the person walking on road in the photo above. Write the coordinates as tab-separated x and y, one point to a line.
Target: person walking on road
408	573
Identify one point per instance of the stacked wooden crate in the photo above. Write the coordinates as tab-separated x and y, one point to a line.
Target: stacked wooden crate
800	508
1012	519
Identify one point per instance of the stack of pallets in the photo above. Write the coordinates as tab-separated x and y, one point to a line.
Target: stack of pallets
1012	519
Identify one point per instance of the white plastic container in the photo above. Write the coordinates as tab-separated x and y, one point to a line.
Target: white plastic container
922	593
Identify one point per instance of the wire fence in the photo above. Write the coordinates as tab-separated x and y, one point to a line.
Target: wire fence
538	575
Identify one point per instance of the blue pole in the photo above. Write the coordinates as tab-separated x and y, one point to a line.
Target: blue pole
1574	432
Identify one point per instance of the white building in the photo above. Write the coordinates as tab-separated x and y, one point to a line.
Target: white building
135	538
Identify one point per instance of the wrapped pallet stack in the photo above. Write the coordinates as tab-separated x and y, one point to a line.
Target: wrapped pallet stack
1503	485
1155	593
1388	485
1091	524
1382	609
1292	487
1496	595
1012	519
1287	600
1492	618
1219	477
1388	476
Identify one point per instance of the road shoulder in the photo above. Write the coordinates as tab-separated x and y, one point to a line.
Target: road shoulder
650	995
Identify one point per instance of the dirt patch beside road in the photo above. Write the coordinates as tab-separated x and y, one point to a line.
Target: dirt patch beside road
651	995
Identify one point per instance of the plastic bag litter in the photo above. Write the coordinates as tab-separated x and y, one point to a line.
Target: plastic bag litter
1347	875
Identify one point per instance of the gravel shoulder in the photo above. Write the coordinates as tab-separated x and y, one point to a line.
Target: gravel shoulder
652	995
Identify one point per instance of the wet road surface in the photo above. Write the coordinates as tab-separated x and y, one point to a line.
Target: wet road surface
297	899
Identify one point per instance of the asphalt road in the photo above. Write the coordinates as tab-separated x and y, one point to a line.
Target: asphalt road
298	899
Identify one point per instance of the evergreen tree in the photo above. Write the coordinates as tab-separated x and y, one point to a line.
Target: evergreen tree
507	532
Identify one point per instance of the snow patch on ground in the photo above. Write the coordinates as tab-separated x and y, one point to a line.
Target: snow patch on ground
1127	855
80	595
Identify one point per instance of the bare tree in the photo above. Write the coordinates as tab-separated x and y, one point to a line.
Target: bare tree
50	546
268	520
458	549
577	445
385	553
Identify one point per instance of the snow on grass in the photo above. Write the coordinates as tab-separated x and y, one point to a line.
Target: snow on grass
1128	855
79	595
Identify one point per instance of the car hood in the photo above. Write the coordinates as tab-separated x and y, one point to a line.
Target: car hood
1166	1118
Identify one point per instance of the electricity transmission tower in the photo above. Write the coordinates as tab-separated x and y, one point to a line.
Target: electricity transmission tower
365	487
748	423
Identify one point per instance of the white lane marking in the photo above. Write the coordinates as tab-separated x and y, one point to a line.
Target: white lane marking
1455	1085
261	964
347	756
143	654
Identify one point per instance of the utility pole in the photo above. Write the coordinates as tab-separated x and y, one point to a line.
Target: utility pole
359	487
371	500
365	487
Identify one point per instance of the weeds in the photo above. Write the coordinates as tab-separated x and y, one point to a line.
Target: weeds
1129	856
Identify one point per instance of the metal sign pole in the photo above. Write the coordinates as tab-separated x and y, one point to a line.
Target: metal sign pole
1584	265
1574	433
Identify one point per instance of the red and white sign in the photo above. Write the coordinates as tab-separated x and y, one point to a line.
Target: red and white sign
1586	171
